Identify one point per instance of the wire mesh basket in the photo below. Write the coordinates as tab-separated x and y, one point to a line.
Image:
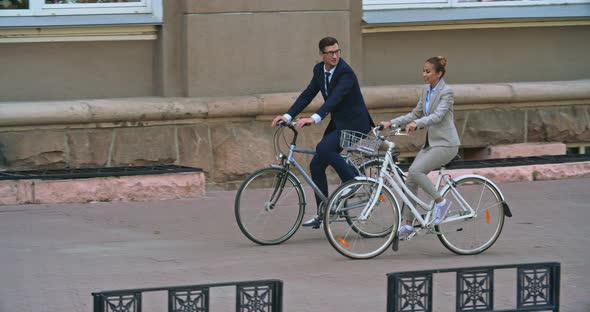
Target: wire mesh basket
355	141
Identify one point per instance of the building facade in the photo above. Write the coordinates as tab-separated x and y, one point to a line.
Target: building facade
116	83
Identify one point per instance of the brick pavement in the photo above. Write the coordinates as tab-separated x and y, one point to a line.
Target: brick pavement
54	256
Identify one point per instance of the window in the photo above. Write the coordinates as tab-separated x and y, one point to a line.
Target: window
401	4
74	7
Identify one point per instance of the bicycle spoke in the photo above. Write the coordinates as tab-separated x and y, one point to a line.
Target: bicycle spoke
357	238
269	206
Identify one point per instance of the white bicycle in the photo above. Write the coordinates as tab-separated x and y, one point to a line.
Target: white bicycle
364	214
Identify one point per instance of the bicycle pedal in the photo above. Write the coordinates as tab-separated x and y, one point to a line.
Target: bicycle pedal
415	233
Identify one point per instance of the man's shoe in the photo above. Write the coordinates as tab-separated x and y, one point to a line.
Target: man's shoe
314	223
440	211
405	231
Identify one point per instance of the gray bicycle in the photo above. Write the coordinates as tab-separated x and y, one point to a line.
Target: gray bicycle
270	203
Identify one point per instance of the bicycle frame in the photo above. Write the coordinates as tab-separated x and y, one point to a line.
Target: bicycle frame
289	160
400	188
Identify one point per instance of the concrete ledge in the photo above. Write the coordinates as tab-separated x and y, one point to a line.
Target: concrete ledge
526	173
124	188
380	97
520	150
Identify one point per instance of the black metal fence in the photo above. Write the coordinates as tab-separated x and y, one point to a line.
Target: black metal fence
251	296
537	288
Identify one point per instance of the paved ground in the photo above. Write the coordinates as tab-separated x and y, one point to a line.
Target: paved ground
53	256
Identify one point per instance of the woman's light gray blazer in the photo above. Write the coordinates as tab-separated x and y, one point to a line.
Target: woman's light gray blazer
439	121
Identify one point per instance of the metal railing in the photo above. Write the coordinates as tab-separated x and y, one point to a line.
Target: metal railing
538	287
251	296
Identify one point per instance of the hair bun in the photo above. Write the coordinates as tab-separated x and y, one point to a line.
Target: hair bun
442	60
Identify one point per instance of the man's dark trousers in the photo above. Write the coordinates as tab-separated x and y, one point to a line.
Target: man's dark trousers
328	154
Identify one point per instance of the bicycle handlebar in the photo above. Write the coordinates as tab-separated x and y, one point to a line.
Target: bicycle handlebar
395	129
282	123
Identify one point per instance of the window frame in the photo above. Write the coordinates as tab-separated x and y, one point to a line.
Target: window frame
369	5
40	8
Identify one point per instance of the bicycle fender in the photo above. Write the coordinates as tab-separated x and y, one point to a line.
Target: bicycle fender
361	178
289	172
297	181
505	207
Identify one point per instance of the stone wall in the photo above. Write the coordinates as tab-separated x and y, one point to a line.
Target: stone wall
230	137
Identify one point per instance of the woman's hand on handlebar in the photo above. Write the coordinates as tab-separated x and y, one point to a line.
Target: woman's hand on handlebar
411	127
385	124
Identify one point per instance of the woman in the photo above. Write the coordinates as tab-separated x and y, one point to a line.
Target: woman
434	112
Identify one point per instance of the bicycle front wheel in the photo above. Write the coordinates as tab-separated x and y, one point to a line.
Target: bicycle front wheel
472	235
269	206
354	235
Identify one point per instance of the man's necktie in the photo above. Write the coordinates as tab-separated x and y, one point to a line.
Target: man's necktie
327	82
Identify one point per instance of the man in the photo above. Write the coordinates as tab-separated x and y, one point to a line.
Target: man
344	102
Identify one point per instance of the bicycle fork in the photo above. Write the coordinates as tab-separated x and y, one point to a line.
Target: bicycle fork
366	212
279	185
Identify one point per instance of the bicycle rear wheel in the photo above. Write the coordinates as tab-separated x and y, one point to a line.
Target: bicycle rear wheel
475	234
356	238
371	168
269	206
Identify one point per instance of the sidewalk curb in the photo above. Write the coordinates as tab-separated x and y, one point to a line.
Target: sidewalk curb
192	185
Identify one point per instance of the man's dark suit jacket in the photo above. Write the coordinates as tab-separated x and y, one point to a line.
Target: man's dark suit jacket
344	100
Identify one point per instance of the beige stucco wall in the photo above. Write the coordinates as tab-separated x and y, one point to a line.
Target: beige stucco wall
203	48
238	47
72	70
479	55
248	47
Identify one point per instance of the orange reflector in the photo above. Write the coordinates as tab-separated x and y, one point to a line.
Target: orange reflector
381	198
343	241
488	216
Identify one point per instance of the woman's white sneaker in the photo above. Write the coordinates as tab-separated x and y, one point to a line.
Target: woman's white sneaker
405	231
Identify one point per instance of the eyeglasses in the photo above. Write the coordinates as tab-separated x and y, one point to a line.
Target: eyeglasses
332	53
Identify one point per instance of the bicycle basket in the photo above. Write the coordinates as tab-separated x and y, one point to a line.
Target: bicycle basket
355	141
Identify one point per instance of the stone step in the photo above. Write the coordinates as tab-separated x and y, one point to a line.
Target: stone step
519	150
526	173
105	184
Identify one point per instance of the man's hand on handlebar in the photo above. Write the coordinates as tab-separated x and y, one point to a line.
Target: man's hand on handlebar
277	119
304	122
